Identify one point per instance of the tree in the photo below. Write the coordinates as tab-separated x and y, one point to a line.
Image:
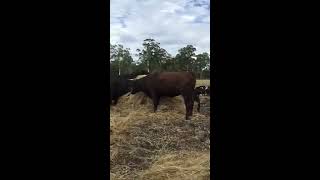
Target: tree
170	64
126	63
152	56
186	57
201	63
120	59
113	51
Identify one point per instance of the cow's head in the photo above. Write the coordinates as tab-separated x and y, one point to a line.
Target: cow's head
134	86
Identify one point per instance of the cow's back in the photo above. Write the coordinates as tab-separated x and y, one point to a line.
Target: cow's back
171	83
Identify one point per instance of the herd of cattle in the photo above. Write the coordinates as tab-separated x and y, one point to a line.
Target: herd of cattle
158	84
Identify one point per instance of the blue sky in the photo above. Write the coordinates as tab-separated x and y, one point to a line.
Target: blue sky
173	23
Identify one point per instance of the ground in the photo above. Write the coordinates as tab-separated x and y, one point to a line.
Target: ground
161	145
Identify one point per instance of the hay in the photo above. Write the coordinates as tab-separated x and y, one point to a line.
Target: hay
184	165
140	76
142	142
203	83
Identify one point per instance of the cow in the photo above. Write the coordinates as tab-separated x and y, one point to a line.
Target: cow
201	90
119	85
168	84
207	91
196	97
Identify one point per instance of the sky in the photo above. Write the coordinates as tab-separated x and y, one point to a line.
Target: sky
173	23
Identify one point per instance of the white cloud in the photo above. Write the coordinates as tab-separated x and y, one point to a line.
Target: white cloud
173	23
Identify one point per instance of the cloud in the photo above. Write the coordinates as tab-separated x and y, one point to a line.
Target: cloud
173	23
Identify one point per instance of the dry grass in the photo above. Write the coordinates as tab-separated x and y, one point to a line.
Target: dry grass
203	82
182	165
161	145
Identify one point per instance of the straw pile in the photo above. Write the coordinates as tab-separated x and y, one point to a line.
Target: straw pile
161	145
183	165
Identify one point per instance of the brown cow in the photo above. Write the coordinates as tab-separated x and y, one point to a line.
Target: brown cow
168	84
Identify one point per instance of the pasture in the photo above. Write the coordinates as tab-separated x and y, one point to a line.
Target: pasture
162	145
203	82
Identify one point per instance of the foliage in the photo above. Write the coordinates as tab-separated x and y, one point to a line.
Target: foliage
151	57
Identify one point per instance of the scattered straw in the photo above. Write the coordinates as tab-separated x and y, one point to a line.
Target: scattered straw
178	166
161	145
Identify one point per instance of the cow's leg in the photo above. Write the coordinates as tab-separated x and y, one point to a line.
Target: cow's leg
191	101
196	98
155	99
187	104
198	101
190	106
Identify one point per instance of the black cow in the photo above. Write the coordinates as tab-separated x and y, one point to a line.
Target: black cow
119	85
201	90
207	91
168	84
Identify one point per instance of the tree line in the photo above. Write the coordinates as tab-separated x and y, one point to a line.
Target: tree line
151	58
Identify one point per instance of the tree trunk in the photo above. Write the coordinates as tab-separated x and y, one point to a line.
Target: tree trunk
119	68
